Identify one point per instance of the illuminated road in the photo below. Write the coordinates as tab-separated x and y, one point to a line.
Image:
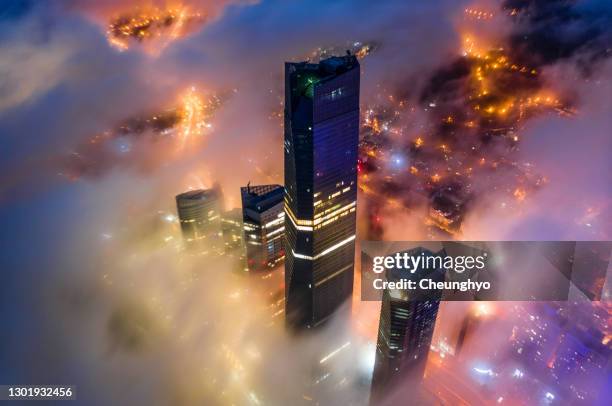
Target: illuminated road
444	379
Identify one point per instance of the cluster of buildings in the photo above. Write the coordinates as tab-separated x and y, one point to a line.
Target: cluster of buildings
310	224
311	221
254	231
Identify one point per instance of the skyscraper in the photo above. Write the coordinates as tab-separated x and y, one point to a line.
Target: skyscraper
233	232
199	213
264	225
405	330
233	238
321	137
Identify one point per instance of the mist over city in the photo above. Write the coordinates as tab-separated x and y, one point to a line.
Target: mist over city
466	121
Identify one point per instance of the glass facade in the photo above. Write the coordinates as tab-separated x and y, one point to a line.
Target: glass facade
264	225
405	331
321	138
199	213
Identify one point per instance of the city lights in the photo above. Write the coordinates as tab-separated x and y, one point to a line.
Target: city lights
198	198
146	25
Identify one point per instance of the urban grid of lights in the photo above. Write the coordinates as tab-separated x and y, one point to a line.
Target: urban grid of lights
470	140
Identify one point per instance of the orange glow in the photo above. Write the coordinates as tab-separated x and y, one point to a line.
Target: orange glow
483	309
478	14
376	126
192	112
438	220
520	194
151	24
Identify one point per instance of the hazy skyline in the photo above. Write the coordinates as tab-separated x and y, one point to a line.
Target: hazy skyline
84	201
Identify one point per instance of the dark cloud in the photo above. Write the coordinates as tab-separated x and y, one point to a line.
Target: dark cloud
548	32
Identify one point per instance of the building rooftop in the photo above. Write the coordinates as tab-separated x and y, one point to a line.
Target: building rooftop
309	74
261	197
198	194
327	67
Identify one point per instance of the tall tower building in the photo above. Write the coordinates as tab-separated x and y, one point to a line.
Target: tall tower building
405	331
321	137
199	213
264	225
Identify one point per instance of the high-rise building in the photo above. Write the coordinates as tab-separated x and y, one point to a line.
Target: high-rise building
233	233
264	225
199	213
321	137
233	238
405	330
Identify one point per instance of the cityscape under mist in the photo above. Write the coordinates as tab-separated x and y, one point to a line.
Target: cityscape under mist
474	120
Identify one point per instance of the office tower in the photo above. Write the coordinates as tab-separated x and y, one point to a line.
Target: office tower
321	137
264	225
199	213
233	233
407	321
233	239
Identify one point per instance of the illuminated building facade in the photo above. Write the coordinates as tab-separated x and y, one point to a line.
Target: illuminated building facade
233	238
231	225
405	331
199	213
264	225
321	137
